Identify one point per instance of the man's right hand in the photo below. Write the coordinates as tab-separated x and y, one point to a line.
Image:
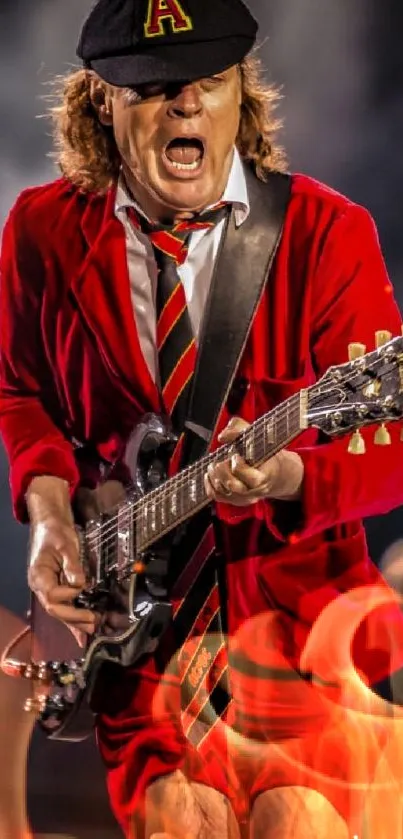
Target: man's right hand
55	573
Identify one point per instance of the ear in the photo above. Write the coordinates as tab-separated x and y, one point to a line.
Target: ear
101	98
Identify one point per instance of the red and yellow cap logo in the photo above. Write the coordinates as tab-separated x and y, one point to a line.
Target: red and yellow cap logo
166	10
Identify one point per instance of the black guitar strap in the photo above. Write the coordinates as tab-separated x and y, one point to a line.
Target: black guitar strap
241	272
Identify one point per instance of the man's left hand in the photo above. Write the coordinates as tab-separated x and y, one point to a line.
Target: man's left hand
234	482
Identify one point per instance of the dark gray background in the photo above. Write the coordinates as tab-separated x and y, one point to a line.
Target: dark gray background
340	66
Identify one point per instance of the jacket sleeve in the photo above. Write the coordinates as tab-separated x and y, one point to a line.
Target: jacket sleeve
35	446
352	298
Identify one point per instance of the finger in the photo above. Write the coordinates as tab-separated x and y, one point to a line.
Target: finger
66	613
83	628
43	577
79	635
224	482
44	581
242	499
63	595
209	490
234	429
72	567
251	478
82	633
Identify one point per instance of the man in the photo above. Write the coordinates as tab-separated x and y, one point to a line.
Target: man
161	125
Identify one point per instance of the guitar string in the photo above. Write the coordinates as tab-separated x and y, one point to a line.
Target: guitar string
180	481
223	451
174	485
172	488
148	539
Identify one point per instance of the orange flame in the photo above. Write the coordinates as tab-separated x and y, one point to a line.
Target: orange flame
371	726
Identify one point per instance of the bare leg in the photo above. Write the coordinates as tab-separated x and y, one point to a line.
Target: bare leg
15	734
298	812
177	809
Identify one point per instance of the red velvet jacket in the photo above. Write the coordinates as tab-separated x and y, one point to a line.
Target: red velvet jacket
72	368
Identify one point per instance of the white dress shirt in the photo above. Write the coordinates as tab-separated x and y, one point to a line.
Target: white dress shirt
196	273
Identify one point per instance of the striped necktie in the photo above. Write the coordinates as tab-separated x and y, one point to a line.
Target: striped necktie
198	623
176	344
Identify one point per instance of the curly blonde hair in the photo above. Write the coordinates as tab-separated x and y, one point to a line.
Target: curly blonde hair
86	151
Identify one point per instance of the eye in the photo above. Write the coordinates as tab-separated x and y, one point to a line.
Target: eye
134	95
213	81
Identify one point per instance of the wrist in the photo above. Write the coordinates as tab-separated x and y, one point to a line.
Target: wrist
288	483
48	498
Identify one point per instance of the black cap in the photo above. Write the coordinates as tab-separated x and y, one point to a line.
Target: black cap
134	42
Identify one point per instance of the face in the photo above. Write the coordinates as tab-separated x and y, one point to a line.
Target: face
176	142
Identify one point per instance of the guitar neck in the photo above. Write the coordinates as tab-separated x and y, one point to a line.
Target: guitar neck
179	498
137	524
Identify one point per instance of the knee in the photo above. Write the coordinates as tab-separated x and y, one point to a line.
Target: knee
296	811
178	809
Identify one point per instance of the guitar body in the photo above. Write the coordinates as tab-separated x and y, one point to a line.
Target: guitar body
135	608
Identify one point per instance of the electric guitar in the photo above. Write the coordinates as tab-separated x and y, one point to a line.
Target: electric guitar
126	552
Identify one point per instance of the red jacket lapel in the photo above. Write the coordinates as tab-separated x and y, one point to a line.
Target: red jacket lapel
102	291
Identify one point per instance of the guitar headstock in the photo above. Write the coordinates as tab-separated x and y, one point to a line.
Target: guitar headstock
365	390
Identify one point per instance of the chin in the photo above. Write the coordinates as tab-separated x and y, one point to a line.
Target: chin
187	197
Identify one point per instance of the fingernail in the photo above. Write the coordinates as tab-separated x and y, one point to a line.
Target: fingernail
234	461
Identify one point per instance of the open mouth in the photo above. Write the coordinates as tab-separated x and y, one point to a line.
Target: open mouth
185	154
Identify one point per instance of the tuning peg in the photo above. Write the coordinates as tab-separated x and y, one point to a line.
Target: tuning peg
357	444
382	337
356	351
382	436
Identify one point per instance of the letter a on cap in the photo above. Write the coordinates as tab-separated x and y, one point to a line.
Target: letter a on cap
159	10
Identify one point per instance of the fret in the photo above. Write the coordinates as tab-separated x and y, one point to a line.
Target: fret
146	521
250	448
303	409
183	500
193	490
153	517
94	550
163	510
125	541
173	505
175	501
269	440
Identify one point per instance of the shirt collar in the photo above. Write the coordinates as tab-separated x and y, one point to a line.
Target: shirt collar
235	193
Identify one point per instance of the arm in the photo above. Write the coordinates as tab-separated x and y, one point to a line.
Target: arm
352	298
43	471
35	446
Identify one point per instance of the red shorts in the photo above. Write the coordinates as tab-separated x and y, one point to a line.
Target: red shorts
280	731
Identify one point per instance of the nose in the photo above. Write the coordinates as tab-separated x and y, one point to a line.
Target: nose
186	102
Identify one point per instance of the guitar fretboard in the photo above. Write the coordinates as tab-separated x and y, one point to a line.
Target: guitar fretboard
181	497
138	524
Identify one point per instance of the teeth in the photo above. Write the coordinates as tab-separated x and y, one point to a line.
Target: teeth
185	166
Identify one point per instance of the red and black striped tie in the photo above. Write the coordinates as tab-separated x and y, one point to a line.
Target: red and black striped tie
198	623
176	343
